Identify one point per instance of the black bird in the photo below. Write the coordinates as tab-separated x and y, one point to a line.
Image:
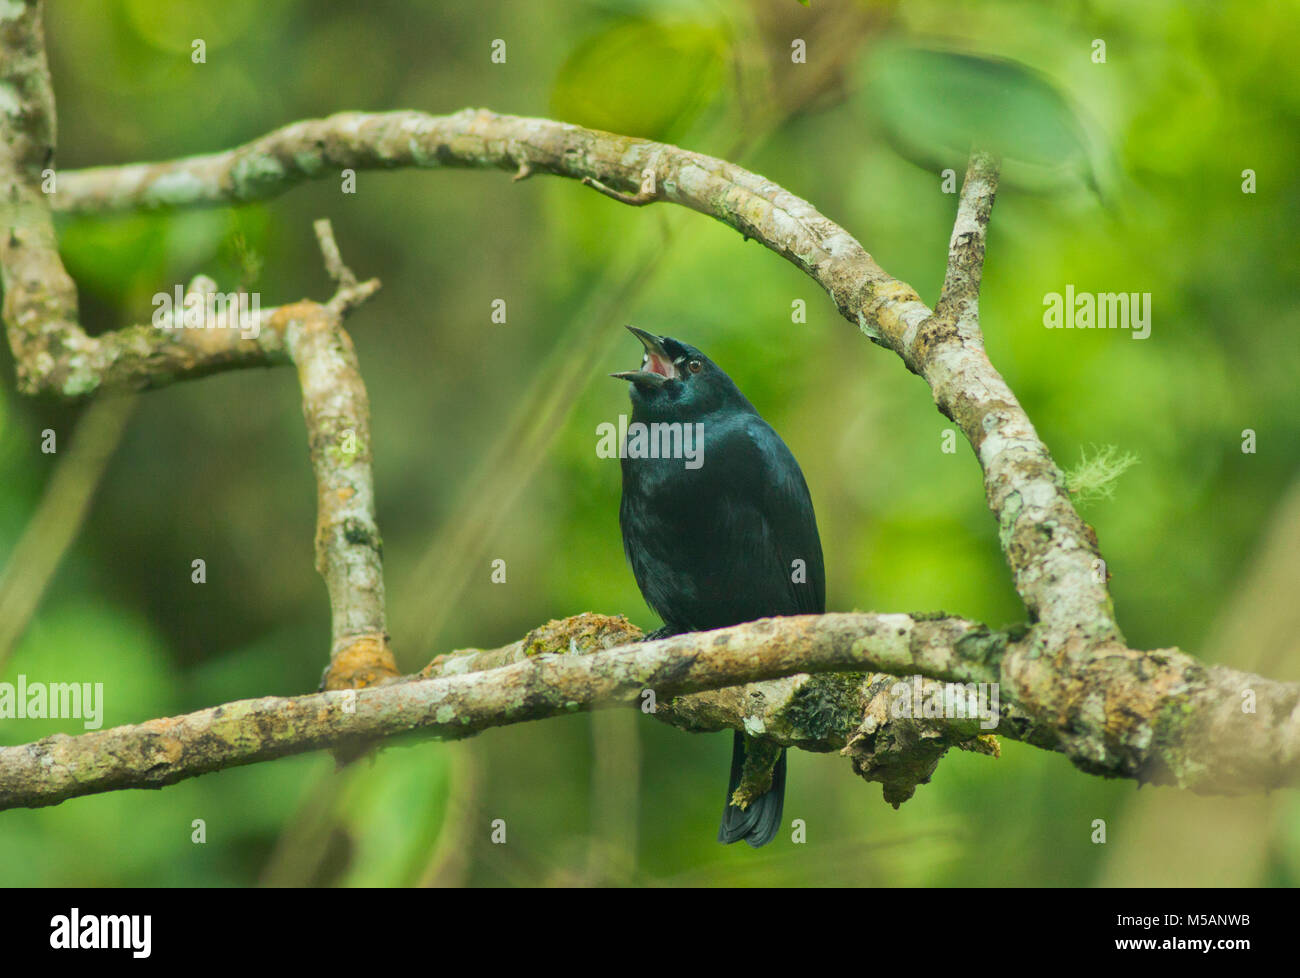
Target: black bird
717	539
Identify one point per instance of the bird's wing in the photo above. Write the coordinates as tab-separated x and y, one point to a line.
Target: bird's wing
786	510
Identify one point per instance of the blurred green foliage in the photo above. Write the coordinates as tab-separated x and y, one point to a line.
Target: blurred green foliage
936	105
641	77
1189	97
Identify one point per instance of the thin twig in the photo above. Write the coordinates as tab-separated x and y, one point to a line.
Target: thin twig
329	249
638	199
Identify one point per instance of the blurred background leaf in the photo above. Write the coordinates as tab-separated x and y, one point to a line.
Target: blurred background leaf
641	77
935	105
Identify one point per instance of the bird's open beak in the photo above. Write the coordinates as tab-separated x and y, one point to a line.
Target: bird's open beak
656	366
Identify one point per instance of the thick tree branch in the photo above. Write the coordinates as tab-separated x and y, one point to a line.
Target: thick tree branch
546	684
854	713
1159	717
40	299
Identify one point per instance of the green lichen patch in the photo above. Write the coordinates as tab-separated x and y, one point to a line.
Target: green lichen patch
1096	475
256	175
982	644
581	633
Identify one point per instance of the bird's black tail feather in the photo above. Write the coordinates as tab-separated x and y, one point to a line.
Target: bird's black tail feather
759	823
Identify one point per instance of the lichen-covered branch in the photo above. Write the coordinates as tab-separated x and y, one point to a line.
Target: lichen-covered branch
854	713
1053	553
164	751
40	299
336	408
1159	717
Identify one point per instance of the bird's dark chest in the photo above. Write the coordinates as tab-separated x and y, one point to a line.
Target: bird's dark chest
690	533
682	498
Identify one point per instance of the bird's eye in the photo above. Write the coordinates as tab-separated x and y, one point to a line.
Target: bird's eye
695	366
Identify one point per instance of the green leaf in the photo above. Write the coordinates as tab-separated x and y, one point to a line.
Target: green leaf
120	258
173	25
935	106
641	77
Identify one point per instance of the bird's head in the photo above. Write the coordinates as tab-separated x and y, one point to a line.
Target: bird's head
677	380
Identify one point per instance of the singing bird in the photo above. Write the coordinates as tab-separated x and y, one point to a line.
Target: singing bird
721	536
